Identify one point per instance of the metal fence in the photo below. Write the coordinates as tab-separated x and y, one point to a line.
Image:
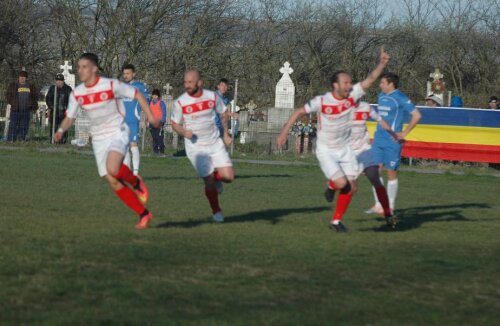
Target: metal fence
253	128
264	125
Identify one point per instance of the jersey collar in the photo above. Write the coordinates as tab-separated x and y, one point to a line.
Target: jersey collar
201	94
394	91
96	81
335	97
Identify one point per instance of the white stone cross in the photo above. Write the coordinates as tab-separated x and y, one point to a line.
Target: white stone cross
286	69
436	75
69	78
66	67
167	88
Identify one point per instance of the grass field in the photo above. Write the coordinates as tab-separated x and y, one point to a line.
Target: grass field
70	255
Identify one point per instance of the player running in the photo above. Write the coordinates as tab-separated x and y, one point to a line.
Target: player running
360	144
335	156
196	110
101	99
392	106
133	117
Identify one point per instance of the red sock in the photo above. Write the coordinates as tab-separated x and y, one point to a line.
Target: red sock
125	174
130	199
213	199
383	199
331	185
217	176
343	201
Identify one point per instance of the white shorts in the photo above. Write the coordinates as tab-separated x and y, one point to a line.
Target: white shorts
336	163
365	159
206	159
115	143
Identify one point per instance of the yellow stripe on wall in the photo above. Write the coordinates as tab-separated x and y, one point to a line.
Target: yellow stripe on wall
450	134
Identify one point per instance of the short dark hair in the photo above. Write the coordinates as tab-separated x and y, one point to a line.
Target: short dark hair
156	91
128	66
223	80
391	78
335	77
92	57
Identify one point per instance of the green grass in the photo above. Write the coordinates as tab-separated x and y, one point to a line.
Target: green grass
70	255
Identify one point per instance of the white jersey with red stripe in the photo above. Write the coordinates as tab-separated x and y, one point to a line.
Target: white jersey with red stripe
335	117
198	114
360	138
103	105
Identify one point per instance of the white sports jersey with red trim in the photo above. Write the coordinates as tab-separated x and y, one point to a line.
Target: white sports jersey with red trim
360	138
102	104
334	116
198	115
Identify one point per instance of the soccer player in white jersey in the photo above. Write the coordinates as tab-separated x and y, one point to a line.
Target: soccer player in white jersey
335	111
194	118
101	98
360	144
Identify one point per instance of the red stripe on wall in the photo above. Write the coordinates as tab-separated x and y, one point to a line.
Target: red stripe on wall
452	152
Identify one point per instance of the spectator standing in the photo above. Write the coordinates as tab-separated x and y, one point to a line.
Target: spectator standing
22	97
493	103
60	104
221	92
159	110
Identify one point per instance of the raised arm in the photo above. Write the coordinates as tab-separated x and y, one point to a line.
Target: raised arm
375	74
283	136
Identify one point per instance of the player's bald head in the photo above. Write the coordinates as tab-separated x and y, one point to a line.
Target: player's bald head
193	73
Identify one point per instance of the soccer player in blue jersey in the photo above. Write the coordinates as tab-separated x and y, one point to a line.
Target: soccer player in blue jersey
133	117
393	105
221	91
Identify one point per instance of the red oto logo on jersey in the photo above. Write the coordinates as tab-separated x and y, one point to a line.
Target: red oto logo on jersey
94	98
337	109
198	107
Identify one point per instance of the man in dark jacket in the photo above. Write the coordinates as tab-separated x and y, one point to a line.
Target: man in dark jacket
22	97
61	104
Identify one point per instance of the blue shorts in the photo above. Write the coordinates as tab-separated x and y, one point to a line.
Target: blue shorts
387	153
134	132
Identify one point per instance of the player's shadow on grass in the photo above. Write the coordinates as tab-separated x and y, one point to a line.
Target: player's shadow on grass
414	217
246	176
251	176
154	178
274	216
